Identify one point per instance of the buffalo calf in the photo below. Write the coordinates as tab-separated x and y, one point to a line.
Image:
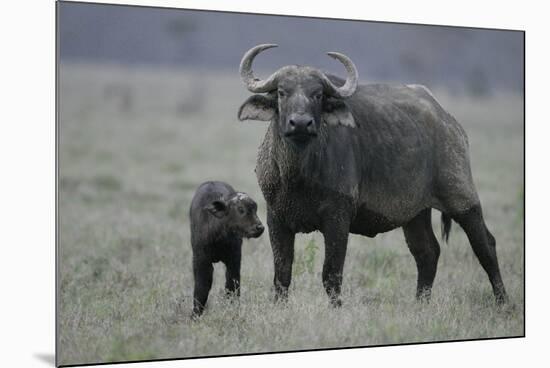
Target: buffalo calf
220	218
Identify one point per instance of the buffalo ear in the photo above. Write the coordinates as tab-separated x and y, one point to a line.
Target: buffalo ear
336	112
258	107
217	208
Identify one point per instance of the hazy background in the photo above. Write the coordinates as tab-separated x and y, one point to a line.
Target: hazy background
148	103
478	61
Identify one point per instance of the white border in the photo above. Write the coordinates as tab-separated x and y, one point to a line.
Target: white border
27	162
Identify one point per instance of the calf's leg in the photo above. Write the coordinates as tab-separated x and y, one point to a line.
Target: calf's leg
425	250
202	271
233	272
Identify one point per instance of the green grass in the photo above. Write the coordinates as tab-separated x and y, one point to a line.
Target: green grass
126	179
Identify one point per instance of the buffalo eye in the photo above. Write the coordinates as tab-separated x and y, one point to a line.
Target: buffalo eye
318	96
281	93
241	210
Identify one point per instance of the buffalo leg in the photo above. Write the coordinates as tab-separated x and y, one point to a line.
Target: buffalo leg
425	250
203	282
233	273
484	246
282	245
336	242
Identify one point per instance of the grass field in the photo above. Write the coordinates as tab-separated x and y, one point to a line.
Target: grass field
135	143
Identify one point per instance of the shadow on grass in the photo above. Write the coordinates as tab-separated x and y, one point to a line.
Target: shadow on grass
46	358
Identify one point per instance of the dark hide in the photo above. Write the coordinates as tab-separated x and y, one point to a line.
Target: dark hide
379	160
220	217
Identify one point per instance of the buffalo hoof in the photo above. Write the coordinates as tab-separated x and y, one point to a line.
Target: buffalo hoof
196	315
280	295
502	299
232	296
507	308
423	299
280	300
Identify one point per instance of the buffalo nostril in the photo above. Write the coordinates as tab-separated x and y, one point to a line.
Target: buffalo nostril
260	227
300	122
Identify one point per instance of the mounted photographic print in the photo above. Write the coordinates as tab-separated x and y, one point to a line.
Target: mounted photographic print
233	183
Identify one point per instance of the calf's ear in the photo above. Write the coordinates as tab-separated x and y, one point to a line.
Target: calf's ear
258	107
336	112
217	208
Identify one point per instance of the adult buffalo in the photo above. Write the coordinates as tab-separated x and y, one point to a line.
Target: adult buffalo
339	157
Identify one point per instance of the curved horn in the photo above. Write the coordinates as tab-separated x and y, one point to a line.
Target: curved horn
350	86
252	83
